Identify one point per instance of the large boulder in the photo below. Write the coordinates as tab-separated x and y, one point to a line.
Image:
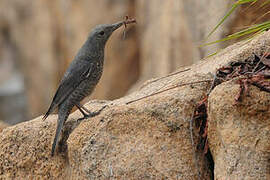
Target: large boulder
154	137
239	133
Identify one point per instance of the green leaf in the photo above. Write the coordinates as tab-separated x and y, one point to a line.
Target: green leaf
258	28
222	20
239	2
234	6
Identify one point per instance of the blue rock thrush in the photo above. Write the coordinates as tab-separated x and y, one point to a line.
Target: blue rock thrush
82	76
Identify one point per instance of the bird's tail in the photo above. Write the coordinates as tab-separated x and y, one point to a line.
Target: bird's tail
61	119
50	110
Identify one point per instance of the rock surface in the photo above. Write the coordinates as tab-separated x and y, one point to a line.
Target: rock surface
151	138
239	134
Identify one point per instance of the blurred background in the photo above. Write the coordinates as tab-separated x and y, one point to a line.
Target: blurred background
39	38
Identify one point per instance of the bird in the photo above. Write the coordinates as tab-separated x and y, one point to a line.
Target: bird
82	76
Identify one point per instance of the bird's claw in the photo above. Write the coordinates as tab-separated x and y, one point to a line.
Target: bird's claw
91	114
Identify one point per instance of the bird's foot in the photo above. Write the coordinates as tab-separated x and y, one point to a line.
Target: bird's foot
80	119
90	114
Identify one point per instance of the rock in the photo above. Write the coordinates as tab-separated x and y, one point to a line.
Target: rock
139	141
27	145
2	126
139	138
239	133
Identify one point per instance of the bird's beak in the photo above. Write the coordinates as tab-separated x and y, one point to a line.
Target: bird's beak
116	25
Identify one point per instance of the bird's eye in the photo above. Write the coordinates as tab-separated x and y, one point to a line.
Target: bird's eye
101	33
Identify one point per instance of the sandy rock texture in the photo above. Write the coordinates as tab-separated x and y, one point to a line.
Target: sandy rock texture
239	133
154	137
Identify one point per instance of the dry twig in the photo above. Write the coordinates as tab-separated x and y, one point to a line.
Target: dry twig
173	87
126	22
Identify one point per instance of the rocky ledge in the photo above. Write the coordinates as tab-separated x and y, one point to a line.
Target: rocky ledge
183	126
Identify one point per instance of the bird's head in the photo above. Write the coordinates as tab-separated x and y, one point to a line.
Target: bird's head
97	39
101	33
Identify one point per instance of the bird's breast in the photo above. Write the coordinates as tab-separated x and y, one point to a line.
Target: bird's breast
96	72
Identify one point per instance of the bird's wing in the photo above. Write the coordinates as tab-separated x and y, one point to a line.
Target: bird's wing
74	76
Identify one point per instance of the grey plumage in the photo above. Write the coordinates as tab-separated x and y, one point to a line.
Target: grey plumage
81	76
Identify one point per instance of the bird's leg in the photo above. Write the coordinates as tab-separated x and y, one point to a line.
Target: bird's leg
81	110
85	116
85	109
90	114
